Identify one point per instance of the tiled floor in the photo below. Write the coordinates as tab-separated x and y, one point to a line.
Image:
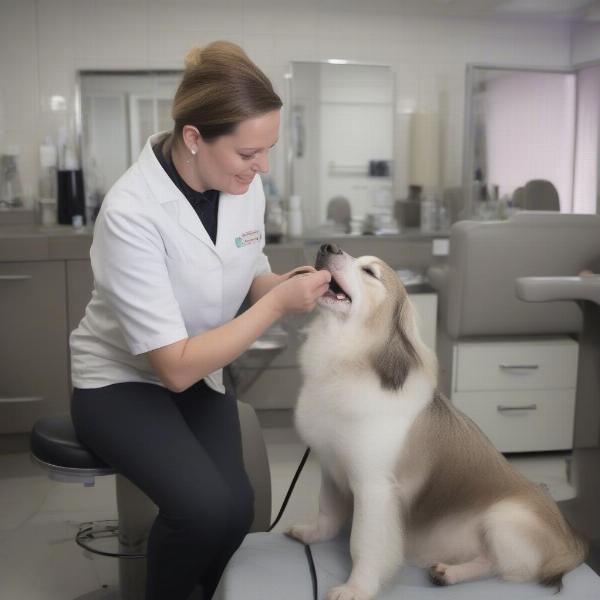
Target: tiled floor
38	518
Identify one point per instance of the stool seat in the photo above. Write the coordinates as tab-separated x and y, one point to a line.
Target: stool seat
271	565
54	443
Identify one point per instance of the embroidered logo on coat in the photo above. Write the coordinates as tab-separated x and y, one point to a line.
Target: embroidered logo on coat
248	237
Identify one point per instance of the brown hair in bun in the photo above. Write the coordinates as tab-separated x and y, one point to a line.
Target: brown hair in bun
220	87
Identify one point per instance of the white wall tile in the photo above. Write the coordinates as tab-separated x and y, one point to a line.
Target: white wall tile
261	48
169	46
195	16
295	47
586	43
19	90
272	17
44	42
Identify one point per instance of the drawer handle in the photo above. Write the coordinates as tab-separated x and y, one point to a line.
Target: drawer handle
522	367
14	277
502	408
21	399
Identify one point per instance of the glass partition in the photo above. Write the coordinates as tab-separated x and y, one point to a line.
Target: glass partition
341	133
520	140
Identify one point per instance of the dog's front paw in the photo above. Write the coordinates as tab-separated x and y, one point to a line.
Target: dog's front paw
347	592
307	534
440	574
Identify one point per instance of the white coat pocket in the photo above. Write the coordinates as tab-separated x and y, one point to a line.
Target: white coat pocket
198	288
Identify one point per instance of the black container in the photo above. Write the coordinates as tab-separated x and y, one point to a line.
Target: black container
70	195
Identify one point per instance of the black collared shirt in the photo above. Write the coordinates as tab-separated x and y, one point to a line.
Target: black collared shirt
206	204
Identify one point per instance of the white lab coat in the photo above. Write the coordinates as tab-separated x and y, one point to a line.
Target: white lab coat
158	277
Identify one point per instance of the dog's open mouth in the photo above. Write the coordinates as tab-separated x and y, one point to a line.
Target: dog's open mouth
335	292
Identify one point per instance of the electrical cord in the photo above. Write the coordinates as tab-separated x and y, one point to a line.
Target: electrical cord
307	550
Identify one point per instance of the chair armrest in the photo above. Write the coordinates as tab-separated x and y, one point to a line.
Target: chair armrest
438	278
549	289
256	463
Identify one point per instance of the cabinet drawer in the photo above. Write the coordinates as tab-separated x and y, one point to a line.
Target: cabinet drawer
33	343
523	365
523	421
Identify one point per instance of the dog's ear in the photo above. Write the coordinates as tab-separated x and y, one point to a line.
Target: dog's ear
397	356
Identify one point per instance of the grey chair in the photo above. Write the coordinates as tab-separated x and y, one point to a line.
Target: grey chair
340	212
518	198
55	447
540	194
476	287
455	203
478	309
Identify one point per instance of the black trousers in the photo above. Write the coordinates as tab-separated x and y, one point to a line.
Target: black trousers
184	451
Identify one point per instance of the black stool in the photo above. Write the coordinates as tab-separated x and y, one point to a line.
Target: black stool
55	447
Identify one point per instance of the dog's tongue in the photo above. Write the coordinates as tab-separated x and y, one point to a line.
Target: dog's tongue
336	295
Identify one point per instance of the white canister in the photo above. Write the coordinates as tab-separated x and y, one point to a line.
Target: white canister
47	211
295	217
356	225
428	215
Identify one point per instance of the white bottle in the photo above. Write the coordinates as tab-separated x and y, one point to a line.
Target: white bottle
48	165
428	214
295	217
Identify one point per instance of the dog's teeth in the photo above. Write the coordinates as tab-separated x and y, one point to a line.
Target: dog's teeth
340	296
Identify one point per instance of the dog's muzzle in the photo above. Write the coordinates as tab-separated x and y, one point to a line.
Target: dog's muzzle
326	255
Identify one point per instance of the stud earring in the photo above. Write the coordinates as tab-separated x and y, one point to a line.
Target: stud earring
193	151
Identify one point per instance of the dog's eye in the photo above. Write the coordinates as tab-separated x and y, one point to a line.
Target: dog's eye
369	271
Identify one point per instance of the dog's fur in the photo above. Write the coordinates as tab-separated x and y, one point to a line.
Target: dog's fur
420	481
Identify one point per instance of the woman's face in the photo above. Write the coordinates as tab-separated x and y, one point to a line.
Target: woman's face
230	162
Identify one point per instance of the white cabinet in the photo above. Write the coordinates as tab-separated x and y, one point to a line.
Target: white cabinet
520	392
426	309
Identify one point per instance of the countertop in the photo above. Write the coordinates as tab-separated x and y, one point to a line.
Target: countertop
61	242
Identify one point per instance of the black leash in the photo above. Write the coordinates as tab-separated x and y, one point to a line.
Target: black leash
307	550
291	488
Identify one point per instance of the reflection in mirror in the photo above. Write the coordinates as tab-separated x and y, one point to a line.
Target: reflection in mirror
341	122
119	111
520	141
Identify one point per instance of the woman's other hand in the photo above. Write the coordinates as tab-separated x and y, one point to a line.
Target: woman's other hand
299	292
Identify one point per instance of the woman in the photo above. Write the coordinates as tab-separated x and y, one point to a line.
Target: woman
178	245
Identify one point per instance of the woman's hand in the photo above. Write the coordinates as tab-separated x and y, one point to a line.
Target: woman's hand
298	271
299	292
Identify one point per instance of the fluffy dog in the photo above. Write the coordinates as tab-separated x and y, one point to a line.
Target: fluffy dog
421	483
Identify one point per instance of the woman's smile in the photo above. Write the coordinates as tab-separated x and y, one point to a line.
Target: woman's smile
245	180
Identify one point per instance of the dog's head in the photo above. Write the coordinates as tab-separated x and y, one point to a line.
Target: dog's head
371	306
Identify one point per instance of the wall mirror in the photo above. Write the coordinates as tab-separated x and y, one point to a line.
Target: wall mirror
520	140
119	110
340	153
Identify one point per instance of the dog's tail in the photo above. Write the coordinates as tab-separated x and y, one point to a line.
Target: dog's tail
574	552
